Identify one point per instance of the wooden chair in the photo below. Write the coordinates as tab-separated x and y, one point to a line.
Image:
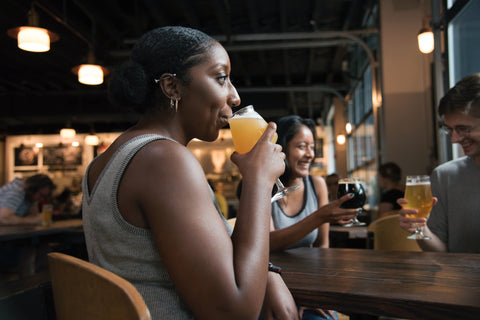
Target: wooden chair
82	290
388	235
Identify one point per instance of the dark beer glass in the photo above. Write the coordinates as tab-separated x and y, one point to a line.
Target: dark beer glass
355	186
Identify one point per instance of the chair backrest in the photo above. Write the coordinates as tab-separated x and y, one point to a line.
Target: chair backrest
388	235
82	290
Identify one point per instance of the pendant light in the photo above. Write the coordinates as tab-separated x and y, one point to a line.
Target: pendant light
92	139
68	132
90	73
31	37
36	39
425	40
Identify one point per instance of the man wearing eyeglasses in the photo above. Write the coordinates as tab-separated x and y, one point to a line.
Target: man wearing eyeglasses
454	222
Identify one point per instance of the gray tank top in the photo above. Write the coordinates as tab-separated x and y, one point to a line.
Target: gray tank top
310	205
122	248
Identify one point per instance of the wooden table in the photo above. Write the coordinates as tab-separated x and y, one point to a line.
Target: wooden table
28	238
353	232
18	231
412	285
348	237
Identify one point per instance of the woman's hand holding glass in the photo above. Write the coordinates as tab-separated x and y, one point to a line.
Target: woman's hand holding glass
264	161
246	126
333	213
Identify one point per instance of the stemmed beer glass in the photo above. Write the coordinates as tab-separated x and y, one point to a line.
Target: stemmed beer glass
247	127
418	193
355	186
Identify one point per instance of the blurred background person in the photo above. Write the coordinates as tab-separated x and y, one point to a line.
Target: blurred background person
454	222
332	186
390	183
21	199
217	188
302	218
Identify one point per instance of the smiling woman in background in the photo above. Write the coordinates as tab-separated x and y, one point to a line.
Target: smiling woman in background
302	218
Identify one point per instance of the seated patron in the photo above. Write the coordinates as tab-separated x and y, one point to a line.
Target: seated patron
21	199
390	183
302	217
332	186
149	214
454	221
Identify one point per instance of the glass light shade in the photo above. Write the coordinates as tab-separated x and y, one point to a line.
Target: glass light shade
91	140
33	39
341	139
90	74
425	41
67	133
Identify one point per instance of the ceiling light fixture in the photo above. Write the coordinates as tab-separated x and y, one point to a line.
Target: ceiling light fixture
90	73
31	37
91	140
348	127
426	44
68	132
38	40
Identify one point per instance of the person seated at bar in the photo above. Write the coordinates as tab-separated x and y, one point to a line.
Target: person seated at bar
302	217
332	186
20	199
454	222
389	181
149	214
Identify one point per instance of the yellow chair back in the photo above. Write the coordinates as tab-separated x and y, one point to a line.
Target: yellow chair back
82	290
388	235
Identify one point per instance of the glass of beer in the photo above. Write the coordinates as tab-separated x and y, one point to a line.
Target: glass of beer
355	186
419	196
47	212
247	127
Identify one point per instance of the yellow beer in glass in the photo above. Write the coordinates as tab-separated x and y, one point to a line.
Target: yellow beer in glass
419	196
247	127
47	213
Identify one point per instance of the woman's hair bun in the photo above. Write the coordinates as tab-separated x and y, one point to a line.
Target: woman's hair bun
128	85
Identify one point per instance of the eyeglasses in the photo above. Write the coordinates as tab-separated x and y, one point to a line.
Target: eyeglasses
460	130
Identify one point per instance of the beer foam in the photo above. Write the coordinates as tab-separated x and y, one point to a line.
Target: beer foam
418	183
246	114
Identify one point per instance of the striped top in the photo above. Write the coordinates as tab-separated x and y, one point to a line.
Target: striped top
12	196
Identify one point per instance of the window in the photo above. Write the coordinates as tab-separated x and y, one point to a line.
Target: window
464	42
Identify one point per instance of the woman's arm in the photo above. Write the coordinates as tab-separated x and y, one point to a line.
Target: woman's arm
278	303
8	216
323	240
282	239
